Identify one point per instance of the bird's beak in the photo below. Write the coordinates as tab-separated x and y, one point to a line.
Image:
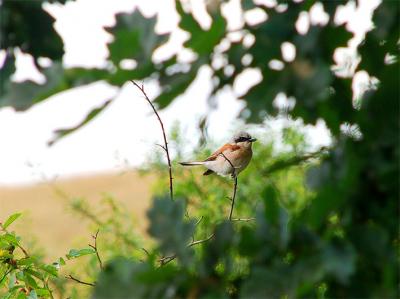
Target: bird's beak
253	139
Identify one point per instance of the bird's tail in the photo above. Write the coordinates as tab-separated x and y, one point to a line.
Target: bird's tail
194	163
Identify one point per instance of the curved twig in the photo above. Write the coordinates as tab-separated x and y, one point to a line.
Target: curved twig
165	147
80	281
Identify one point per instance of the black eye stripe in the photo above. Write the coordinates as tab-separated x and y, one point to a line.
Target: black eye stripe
242	139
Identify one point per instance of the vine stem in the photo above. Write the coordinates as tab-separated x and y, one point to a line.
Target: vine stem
165	146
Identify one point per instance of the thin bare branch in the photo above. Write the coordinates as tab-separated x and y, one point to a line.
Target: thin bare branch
146	251
201	241
234	175
23	250
166	259
96	250
233	197
165	147
80	281
243	219
198	221
162	146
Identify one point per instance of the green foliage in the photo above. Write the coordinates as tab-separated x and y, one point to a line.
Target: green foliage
27	26
134	38
23	275
24	272
326	222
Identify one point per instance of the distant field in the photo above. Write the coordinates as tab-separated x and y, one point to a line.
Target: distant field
48	219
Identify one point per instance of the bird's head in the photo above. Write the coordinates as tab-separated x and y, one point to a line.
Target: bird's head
243	138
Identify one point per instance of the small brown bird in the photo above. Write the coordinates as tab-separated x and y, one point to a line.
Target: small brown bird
238	152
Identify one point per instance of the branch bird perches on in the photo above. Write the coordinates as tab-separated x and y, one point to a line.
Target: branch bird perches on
234	175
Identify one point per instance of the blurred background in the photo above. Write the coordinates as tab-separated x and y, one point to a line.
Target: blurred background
307	78
95	159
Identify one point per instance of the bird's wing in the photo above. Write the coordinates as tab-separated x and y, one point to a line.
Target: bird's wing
227	147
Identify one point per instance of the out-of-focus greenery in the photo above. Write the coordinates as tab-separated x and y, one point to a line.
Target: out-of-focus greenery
24	272
335	238
343	242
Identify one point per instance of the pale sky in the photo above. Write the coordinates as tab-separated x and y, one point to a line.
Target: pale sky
126	132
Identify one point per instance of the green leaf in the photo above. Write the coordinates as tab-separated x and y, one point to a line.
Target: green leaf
42	293
34	273
60	133
172	85
32	295
52	270
23	95
179	83
74	253
26	261
29	280
11	238
11	219
27	26
201	41
21	295
7	69
61	261
134	38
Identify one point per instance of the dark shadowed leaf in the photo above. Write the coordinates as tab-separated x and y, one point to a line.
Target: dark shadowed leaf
24	24
124	278
170	228
7	69
23	95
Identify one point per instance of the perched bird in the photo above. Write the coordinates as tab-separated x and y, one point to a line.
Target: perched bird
237	153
